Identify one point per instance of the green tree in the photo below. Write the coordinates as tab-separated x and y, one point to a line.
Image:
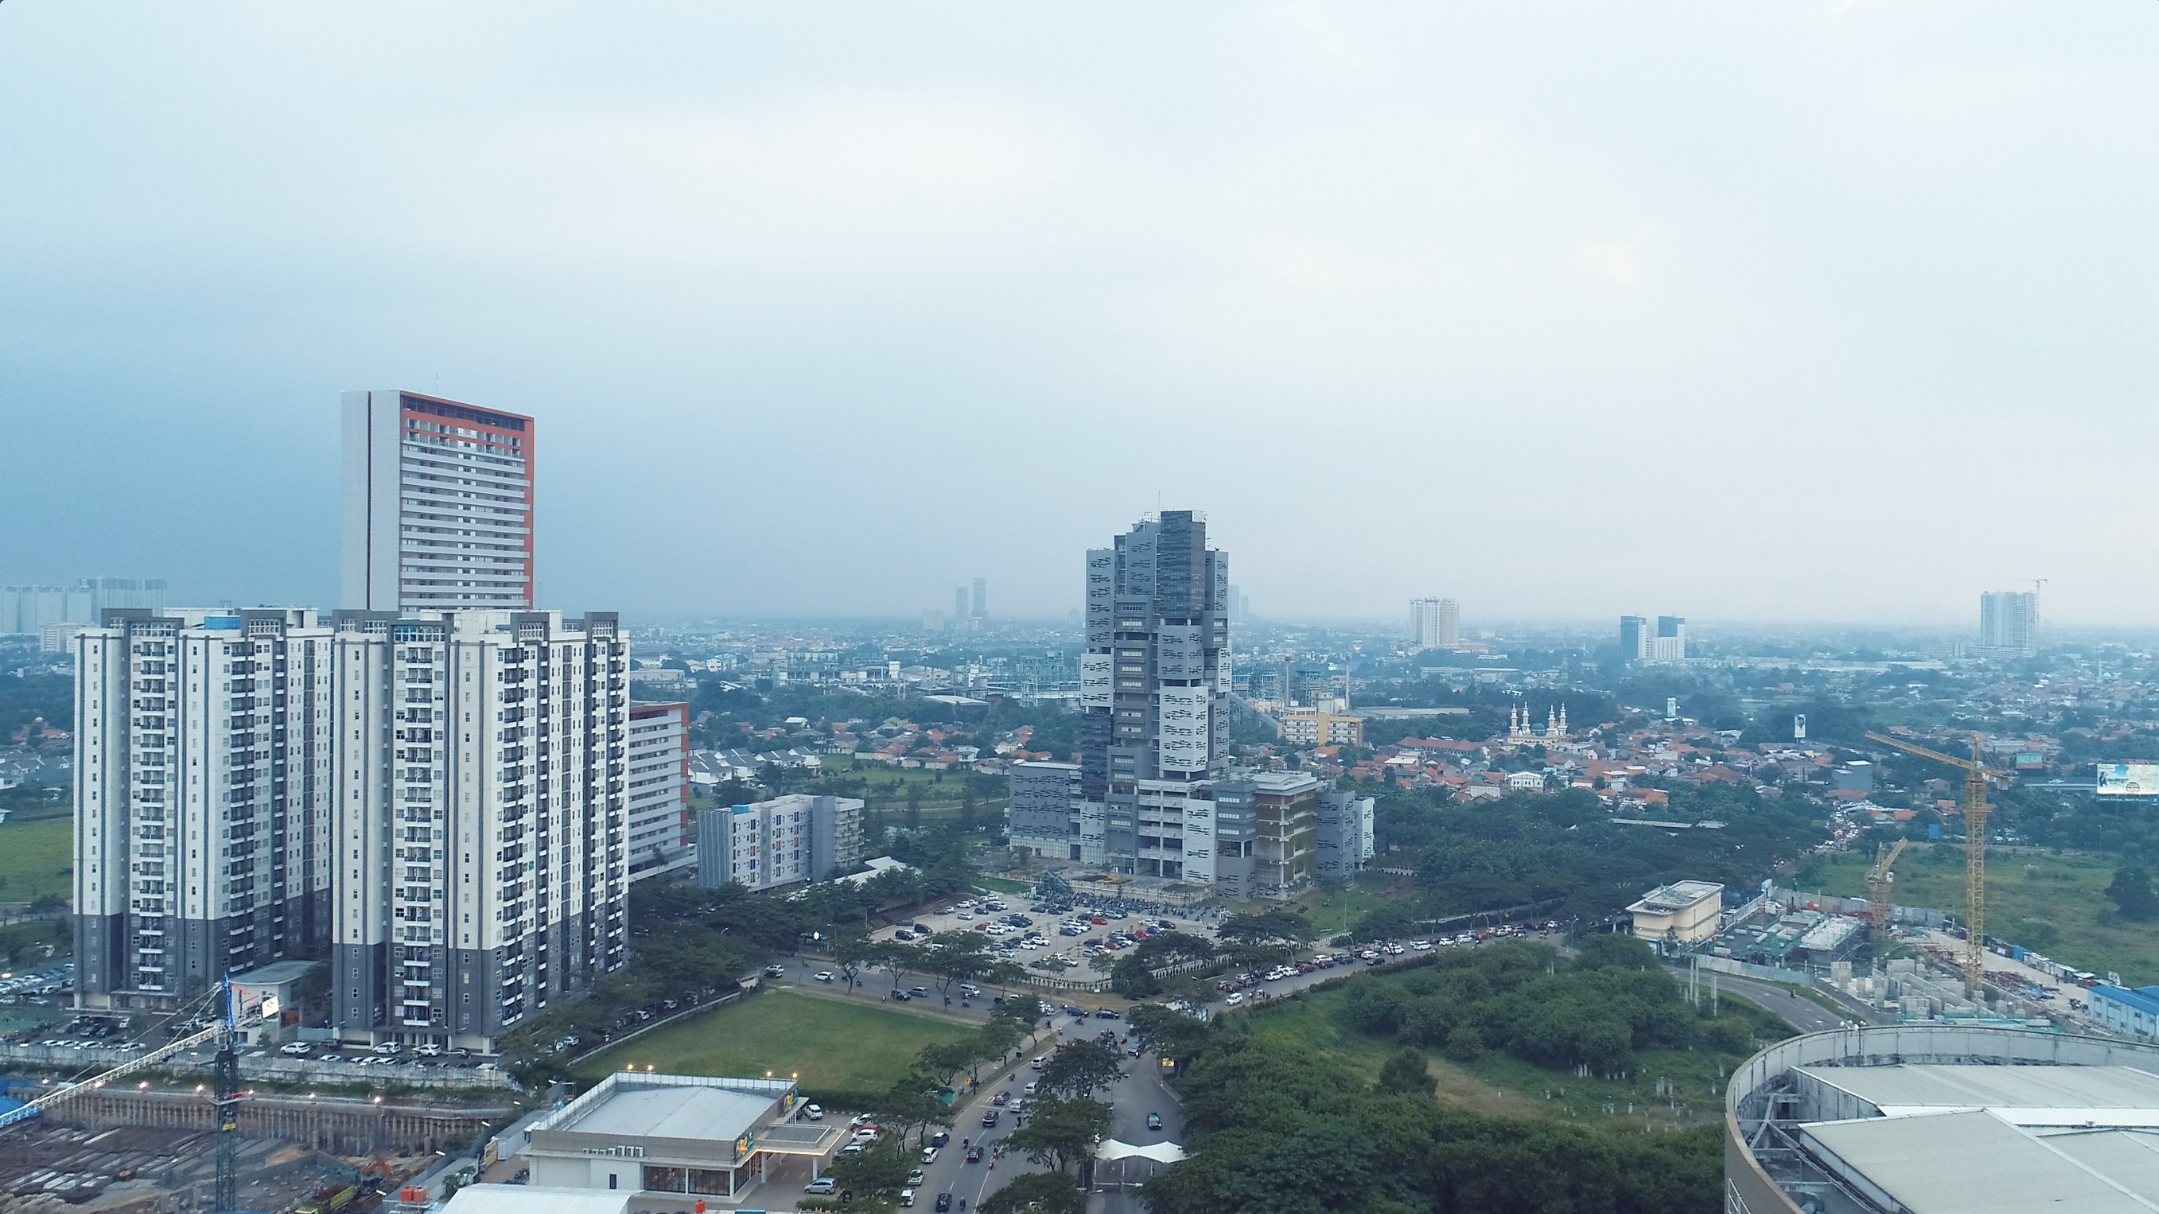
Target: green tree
1060	1131
2132	895
1037	1193
871	1178
853	951
1406	1071
1080	1069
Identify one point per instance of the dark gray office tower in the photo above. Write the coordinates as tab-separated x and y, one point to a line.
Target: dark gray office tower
1154	682
1634	637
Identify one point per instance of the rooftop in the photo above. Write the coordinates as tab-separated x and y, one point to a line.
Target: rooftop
1678	895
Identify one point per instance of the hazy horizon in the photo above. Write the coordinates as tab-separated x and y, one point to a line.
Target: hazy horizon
1784	313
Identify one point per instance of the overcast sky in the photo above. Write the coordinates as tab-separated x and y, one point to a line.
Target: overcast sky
1762	311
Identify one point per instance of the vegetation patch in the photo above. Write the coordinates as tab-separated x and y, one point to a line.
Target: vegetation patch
830	1045
37	860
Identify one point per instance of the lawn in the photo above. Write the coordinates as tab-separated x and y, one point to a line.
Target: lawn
37	858
1335	913
1498	1084
833	1046
2049	901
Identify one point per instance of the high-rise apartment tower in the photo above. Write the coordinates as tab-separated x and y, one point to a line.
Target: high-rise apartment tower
437	505
438	801
203	803
1435	623
2009	619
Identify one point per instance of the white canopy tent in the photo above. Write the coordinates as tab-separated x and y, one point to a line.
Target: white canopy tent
1160	1152
1122	1153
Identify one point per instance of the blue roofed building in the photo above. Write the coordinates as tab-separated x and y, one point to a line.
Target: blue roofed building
2133	1013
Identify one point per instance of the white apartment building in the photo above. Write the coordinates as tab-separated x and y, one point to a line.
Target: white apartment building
441	800
482	820
203	817
798	837
437	505
1435	623
659	784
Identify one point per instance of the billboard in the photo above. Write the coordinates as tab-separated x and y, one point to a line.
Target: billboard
2129	780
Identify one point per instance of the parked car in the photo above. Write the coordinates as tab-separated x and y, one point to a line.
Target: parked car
773	971
821	1186
815	1112
940	1138
825	976
295	1048
929	1155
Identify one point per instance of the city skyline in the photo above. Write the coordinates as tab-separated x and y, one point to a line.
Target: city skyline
1574	271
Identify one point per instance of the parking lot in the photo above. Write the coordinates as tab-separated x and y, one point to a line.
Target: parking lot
1051	938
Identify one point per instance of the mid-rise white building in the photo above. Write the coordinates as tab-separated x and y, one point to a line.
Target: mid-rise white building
437	505
797	837
441	800
659	785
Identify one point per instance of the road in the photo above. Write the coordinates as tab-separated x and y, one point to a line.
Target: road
1139	1092
1806	1015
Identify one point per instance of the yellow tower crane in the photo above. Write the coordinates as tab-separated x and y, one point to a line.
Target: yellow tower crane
1880	882
1976	777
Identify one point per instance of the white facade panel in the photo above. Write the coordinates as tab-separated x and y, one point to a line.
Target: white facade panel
1183	735
1095	680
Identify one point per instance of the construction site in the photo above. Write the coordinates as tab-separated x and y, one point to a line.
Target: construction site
156	1134
154	1151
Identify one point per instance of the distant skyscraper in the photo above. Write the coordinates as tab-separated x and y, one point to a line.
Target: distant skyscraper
1671	642
1634	637
2009	619
437	505
959	607
26	610
1435	623
981	607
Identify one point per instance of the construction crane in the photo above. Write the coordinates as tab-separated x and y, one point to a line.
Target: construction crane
225	1032
1977	775
1879	883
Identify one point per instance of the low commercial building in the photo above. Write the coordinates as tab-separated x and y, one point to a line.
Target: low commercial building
1319	727
1684	912
1909	1119
678	1135
790	839
2132	1013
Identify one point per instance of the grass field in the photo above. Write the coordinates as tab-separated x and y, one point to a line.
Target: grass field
1498	1084
2050	901
833	1046
1335	913
37	858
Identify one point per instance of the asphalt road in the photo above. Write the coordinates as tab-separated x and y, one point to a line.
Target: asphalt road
1806	1015
1139	1092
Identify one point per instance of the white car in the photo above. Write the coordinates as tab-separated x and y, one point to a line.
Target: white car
297	1048
815	1112
825	976
929	1156
1235	998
